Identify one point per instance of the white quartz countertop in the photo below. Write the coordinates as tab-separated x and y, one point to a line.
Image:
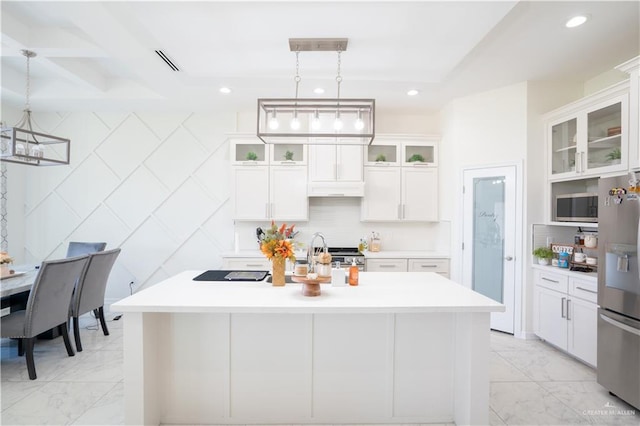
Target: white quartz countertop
589	276
391	254
407	254
378	292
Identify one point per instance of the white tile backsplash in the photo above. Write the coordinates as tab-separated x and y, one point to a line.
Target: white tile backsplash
339	220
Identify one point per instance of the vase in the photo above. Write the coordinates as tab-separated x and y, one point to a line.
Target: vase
4	270
542	261
277	273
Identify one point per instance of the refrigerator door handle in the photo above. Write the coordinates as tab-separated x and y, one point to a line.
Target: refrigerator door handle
620	325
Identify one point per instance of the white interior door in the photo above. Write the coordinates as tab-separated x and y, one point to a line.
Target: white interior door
489	237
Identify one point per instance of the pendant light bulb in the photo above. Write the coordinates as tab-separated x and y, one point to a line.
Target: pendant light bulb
315	123
337	124
273	121
359	124
295	123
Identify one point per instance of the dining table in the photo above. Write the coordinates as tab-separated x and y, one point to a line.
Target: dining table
15	288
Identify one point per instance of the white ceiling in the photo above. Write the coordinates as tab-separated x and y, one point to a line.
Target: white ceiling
100	55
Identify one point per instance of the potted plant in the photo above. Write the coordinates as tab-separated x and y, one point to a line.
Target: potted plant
614	155
252	156
543	254
416	158
381	158
288	156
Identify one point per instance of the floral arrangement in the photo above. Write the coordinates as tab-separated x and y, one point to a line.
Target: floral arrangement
5	258
277	242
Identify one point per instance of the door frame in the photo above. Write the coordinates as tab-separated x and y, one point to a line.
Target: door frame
519	237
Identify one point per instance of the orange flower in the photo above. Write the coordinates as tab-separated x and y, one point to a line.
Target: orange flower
276	242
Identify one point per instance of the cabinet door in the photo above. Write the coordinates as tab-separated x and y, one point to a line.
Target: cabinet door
386	265
419	194
246	264
322	163
606	146
582	318
349	160
381	199
251	193
550	314
248	151
563	139
440	266
288	190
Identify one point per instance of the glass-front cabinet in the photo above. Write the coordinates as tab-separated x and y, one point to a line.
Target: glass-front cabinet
590	141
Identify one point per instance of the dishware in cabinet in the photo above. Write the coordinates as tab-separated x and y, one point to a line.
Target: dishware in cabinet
589	137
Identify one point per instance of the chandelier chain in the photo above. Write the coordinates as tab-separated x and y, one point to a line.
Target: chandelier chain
28	94
339	77
297	78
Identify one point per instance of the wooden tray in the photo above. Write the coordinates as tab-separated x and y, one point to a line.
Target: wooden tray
310	287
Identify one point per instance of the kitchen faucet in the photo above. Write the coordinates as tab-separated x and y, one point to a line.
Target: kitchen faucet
310	254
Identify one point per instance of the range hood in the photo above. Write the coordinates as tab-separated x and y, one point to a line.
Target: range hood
335	189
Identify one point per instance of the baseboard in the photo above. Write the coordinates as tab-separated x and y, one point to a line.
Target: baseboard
527	335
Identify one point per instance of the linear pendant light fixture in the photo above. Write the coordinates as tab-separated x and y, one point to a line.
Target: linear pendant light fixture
21	144
317	121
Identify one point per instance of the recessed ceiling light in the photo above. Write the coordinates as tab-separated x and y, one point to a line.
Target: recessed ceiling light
576	21
412	92
225	90
318	90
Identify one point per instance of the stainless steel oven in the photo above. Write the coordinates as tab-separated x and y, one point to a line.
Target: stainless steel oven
346	255
619	289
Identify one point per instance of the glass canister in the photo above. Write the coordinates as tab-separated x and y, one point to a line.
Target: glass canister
301	268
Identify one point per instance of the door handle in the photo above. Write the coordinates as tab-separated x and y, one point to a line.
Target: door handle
568	309
620	325
562	314
509	258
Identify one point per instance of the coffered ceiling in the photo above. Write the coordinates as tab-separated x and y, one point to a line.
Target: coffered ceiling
101	55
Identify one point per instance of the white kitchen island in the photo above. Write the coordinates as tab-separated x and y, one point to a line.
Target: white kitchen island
405	347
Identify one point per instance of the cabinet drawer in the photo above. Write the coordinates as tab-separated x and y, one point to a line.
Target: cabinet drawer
429	265
247	264
584	289
386	265
557	282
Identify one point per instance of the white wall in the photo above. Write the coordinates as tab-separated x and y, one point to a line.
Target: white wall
485	129
157	185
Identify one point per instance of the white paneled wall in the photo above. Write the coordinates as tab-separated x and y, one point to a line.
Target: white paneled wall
154	184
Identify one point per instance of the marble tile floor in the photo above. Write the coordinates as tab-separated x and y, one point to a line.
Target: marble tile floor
532	383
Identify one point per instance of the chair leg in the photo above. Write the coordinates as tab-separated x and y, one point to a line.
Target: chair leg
76	333
103	323
20	347
31	367
64	330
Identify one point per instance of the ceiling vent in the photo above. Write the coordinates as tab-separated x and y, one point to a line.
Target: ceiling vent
167	61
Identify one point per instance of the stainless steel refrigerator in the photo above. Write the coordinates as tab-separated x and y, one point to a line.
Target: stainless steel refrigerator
619	288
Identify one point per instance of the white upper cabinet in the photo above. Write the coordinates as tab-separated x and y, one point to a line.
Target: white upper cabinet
419	194
335	170
401	179
590	137
288	193
632	67
269	181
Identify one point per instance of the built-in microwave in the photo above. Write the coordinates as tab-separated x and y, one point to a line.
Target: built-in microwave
582	207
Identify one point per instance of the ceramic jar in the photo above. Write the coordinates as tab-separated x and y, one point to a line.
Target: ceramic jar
590	241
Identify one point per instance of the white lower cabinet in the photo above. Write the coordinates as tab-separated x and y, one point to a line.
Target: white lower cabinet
246	264
565	313
386	265
440	266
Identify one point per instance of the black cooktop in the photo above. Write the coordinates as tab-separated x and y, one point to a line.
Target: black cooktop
220	275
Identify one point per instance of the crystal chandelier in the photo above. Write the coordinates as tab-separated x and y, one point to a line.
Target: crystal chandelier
314	121
23	145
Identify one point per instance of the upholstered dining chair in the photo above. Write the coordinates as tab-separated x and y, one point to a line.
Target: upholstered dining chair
78	248
47	307
89	293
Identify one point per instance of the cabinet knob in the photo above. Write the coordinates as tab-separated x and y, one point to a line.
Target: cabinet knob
508	258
